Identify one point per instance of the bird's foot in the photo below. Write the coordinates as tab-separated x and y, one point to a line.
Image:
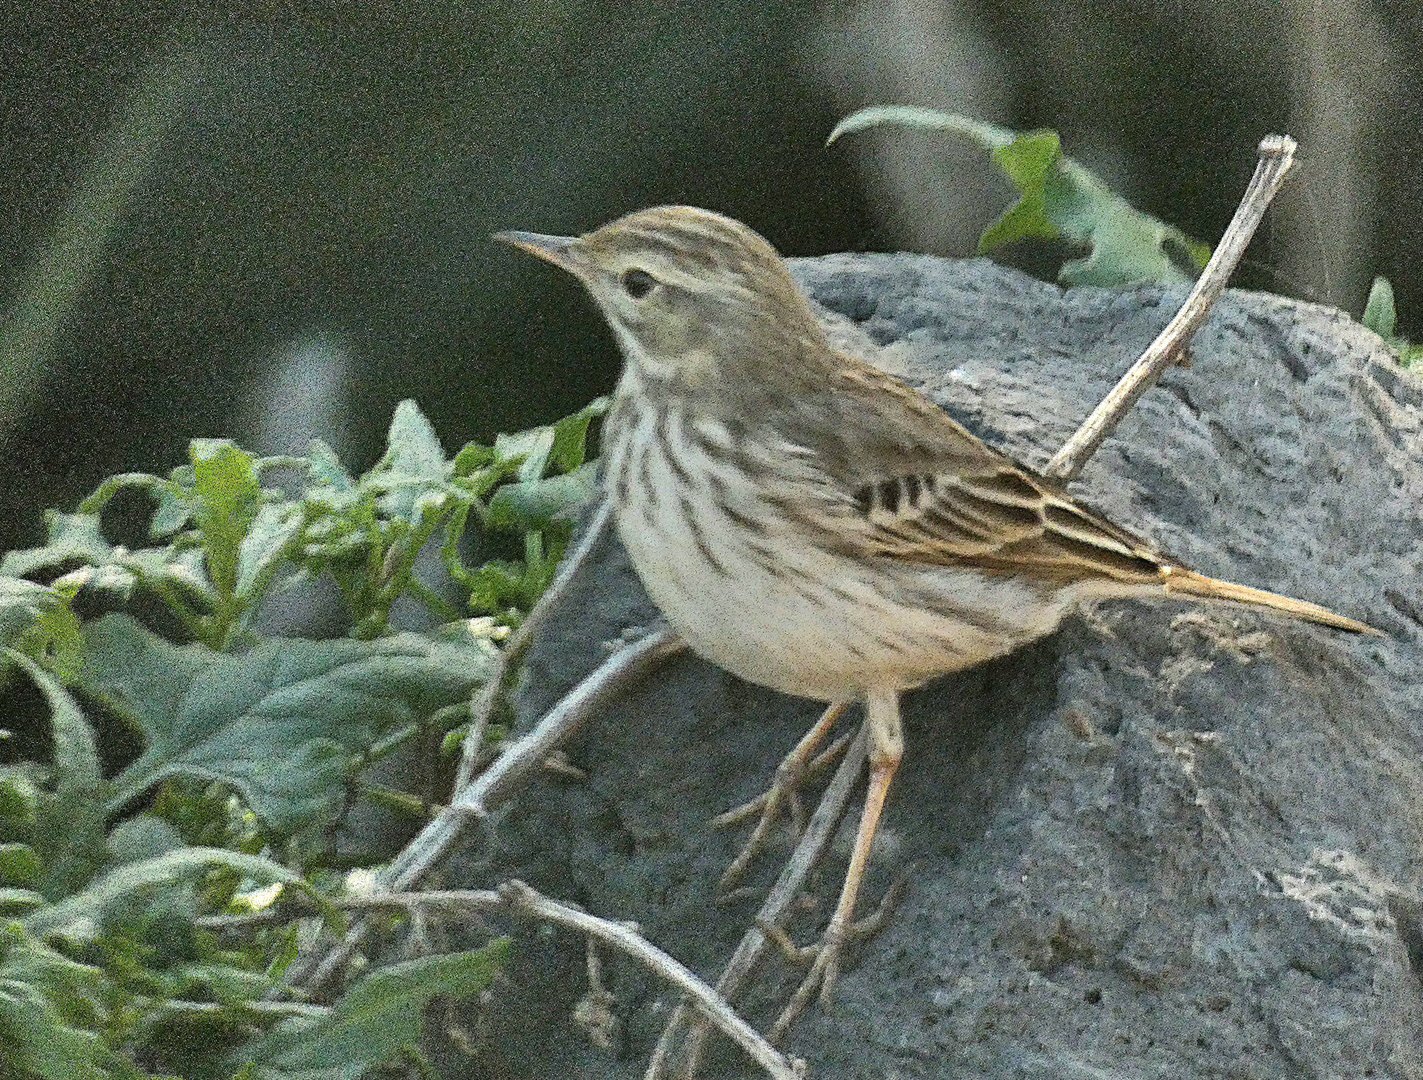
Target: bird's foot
824	956
783	794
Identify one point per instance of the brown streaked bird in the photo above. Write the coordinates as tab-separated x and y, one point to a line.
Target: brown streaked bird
813	524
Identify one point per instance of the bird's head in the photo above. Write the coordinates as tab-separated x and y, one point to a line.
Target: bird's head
691	296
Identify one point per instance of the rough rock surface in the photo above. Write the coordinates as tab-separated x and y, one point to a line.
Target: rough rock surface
1172	840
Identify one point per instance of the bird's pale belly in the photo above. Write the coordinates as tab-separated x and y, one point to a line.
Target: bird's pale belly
805	621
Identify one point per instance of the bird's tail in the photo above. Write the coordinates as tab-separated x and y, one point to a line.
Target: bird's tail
1190	583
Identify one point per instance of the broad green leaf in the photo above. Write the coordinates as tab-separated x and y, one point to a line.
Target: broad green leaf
36	620
1059	198
414	469
170	868
1380	316
533	504
142	836
228	495
326	467
49	1008
374	1021
280	722
472	456
19	865
36	1042
175	510
413	448
19	796
265	545
17	901
222	982
72	538
69	834
114	484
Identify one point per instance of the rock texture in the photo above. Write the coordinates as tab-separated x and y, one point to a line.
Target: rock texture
1172	840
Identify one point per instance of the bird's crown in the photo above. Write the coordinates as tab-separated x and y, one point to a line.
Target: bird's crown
686	291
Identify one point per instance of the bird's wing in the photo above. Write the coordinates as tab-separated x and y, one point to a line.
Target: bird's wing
920	487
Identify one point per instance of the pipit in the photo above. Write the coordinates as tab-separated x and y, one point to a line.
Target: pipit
812	524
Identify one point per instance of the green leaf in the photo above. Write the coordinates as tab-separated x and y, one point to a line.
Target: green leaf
280	722
326	467
472	456
1059	198
377	1019
72	538
228	495
496	586
534	504
37	621
222	982
69	834
15	901
413	472
175	510
114	484
19	865
19	797
171	868
1028	160
570	437
48	1004
1380	316
530	448
265	545
142	836
413	448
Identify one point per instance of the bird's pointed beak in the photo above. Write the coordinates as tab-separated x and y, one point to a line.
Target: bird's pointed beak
555	249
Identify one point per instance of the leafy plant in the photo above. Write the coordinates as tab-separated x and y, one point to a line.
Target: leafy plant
1059	199
253	748
1381	317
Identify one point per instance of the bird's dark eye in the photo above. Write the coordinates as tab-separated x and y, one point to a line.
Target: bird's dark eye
638	283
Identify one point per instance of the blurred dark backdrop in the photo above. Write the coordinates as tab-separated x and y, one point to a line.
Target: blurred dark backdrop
275	226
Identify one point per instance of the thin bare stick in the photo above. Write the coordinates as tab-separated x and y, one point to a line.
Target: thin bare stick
523	900
483	704
492	787
607	681
710	1004
753	945
1276	157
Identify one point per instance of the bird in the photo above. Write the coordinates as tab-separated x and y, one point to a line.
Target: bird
814	525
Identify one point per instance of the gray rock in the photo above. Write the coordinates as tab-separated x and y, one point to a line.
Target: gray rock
1172	840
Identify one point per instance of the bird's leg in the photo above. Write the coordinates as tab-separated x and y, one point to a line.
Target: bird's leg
885	750
792	769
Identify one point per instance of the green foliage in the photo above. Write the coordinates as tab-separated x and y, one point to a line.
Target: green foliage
50	1007
36	621
1381	317
377	1021
1059	199
222	540
284	723
252	749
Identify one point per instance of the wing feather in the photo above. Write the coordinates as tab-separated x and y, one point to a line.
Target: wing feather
929	491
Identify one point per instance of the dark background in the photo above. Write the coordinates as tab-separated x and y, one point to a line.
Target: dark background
274	226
